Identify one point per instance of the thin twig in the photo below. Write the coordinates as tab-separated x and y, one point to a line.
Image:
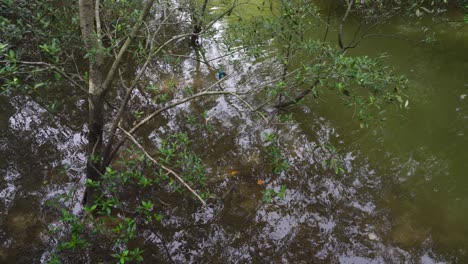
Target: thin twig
162	166
353	44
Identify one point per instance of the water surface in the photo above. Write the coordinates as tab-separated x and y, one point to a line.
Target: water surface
403	198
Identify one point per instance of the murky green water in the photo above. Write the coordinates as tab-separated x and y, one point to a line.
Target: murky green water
420	154
403	200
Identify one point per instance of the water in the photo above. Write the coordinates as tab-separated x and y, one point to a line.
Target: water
402	200
421	154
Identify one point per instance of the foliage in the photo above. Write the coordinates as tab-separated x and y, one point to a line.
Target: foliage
465	17
269	194
334	162
47	32
277	162
40	51
308	65
115	217
374	10
175	151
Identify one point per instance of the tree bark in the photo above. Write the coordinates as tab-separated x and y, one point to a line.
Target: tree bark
198	23
95	101
92	42
98	86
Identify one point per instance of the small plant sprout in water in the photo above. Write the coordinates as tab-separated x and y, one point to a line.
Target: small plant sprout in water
269	194
274	153
334	162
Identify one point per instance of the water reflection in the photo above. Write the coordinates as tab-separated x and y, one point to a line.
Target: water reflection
323	216
403	194
36	149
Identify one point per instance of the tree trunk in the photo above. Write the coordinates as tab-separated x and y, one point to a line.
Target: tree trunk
95	138
198	23
90	25
92	42
95	100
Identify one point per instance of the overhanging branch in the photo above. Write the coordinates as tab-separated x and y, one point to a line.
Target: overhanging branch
52	67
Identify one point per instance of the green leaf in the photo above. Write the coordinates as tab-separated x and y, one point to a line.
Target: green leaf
3	47
282	192
11	56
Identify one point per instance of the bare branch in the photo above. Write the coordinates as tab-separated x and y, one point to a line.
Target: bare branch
330	9
364	35
110	75
122	108
207	62
128	93
343	20
108	155
167	107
